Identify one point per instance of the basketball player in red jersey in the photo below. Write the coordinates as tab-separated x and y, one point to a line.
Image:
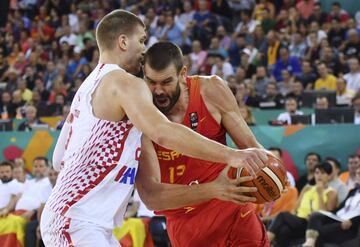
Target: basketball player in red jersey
206	105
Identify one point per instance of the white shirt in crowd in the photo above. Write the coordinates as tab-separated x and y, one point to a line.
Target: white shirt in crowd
226	70
7	190
351	208
35	193
285	116
357	118
352	81
71	39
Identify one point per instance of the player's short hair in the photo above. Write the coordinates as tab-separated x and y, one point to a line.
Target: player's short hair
162	54
42	158
113	25
7	163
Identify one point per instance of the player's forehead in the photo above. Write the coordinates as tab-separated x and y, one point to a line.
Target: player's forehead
139	31
160	75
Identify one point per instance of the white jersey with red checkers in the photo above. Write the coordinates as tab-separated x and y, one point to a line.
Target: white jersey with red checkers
99	164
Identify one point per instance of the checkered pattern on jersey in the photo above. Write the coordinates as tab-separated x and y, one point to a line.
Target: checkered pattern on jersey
98	157
58	231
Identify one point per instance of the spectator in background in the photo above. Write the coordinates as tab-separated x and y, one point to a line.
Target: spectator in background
291	107
235	49
221	67
216	48
335	181
297	89
305	8
173	32
32	229
186	17
31	121
65	113
224	38
40	87
272	98
326	80
291	64
245	63
353	77
311	160
291	226
270	49
343	95
278	154
7	109
318	16
17	103
337	12
308	76
331	60
246	95
285	85
352	44
297	47
197	56
349	177
323	228
337	33
260	80
246	25
26	93
356	105
19	174
41	106
246	114
10	189
322	102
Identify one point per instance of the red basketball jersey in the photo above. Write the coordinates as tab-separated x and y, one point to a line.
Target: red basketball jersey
180	169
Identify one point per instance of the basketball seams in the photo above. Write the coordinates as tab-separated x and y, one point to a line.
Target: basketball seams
274	177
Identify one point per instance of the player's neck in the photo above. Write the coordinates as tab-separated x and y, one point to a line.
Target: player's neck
111	57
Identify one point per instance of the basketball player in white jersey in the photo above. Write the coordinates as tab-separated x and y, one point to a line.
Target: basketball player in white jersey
98	148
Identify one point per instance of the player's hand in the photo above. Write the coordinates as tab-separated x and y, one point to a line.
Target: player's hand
346	224
228	189
252	159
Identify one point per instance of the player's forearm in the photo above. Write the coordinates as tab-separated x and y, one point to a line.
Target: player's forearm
165	196
184	140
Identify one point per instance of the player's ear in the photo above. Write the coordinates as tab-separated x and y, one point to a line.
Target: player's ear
183	71
123	42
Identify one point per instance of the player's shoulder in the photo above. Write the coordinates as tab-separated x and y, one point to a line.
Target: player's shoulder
213	87
122	80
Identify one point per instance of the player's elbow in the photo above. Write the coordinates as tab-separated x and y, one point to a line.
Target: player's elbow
161	135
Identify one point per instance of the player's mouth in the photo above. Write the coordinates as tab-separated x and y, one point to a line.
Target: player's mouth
161	101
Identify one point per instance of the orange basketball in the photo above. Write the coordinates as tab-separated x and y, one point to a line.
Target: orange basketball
270	181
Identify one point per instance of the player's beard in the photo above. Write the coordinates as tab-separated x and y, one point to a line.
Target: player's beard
173	98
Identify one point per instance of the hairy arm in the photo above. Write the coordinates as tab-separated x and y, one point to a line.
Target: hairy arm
157	196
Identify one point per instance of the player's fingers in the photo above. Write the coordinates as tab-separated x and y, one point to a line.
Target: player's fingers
250	169
262	154
254	166
238	181
243	198
245	189
259	164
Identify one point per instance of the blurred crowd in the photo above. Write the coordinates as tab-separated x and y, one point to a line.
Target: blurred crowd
268	51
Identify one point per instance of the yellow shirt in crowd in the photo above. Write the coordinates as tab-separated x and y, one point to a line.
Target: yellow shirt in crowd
329	83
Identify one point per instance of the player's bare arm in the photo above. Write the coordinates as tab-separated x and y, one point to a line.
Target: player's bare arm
127	93
159	196
222	104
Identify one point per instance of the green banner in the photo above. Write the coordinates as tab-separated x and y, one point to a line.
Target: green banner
296	141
